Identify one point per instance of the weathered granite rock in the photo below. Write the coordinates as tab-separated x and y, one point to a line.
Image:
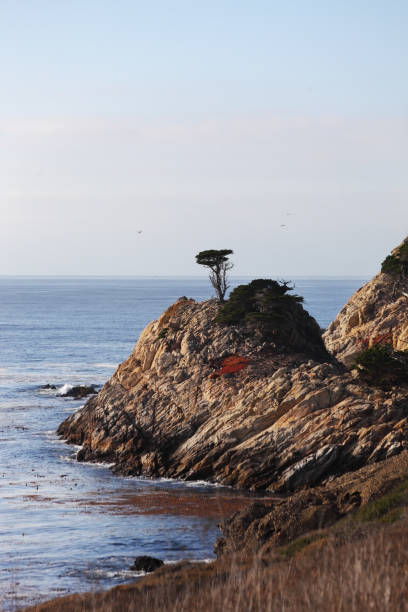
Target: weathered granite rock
279	422
377	312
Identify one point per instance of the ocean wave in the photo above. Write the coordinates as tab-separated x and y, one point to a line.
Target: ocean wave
43	391
73	459
101	573
64	389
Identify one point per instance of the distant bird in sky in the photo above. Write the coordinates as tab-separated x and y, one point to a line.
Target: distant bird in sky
283	225
139	231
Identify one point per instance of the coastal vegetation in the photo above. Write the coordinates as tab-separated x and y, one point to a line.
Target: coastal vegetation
267	307
396	264
263	300
379	365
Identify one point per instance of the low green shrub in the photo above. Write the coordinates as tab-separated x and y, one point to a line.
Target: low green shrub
384	509
397	263
381	366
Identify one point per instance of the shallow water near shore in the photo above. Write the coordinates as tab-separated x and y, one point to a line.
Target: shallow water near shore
67	526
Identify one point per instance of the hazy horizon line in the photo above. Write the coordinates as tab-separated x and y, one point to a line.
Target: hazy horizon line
181	276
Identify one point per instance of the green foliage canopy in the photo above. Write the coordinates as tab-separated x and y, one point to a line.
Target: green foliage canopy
213	258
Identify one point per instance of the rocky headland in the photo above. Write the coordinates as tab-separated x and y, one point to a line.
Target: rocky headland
230	403
253	398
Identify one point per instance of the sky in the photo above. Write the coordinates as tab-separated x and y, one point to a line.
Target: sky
135	134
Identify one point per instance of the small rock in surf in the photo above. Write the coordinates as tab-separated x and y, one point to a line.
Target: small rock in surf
146	564
80	391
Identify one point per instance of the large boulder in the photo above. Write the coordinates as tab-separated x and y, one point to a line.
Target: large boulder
144	563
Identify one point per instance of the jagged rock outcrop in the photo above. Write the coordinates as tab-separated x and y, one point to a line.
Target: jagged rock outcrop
377	312
267	418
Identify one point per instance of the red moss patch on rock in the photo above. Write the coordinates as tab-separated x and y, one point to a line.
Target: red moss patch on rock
230	365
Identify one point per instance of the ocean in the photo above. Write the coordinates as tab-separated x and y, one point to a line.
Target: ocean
66	526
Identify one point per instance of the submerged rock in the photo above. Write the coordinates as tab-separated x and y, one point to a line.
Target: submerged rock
146	564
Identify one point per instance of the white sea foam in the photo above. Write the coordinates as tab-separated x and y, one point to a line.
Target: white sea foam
73	458
64	389
128	573
73	411
103	573
70	459
99	464
176	482
174	561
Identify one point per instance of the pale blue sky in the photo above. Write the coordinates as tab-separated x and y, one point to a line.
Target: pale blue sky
203	124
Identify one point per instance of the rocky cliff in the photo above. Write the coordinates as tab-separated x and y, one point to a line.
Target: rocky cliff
376	313
198	399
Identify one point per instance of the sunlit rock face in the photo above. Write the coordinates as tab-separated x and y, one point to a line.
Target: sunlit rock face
197	399
376	313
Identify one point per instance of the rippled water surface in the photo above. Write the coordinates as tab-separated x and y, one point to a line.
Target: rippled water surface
67	526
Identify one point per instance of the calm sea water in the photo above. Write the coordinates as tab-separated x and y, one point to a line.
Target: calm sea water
66	526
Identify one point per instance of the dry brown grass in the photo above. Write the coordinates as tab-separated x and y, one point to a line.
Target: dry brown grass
369	573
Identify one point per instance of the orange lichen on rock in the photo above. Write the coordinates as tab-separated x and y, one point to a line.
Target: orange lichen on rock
382	339
230	365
